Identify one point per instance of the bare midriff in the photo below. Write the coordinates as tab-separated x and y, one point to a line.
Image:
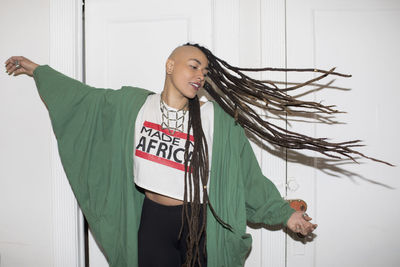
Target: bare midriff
163	200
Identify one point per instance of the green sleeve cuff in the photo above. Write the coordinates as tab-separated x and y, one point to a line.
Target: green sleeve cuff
289	213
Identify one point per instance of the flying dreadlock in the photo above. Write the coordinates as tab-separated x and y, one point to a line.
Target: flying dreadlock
236	92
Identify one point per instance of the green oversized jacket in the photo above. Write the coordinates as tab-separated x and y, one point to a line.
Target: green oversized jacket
95	132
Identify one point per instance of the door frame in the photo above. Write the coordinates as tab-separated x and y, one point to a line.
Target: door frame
66	56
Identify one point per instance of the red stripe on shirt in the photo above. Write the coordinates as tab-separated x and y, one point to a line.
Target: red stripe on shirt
159	128
160	160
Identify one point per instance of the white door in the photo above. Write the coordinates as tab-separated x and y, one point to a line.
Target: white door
354	204
127	43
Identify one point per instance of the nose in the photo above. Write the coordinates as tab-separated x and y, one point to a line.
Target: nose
201	76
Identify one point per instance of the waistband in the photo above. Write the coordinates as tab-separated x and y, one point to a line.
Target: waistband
151	203
154	204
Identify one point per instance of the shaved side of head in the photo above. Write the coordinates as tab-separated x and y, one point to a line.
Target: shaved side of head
186	51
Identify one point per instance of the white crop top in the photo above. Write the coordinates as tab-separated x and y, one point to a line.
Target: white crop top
159	155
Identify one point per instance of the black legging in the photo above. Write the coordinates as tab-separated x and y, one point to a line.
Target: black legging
158	236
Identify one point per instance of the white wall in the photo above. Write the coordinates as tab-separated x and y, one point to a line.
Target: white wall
355	205
25	185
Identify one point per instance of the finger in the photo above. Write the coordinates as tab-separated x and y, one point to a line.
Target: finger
8	61
300	235
14	70
13	59
19	72
307	218
310	228
304	227
9	67
307	228
307	232
9	64
11	70
300	231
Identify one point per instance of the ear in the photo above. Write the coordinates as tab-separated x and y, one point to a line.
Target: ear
169	66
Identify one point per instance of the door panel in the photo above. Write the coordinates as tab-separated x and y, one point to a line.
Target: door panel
128	42
347	200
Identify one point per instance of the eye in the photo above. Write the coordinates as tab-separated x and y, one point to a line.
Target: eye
194	67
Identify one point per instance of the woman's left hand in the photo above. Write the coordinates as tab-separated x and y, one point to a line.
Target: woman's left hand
299	222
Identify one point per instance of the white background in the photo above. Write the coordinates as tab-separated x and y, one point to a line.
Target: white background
25	167
355	205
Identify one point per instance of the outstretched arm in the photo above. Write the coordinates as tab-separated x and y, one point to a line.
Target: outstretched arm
64	97
263	201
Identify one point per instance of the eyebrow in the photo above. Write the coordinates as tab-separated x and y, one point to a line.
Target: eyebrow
198	61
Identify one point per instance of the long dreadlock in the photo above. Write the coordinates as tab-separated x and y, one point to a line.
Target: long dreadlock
236	92
194	173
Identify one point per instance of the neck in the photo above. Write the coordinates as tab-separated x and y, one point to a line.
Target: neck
174	101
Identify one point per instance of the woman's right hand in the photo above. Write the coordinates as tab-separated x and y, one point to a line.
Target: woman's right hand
17	65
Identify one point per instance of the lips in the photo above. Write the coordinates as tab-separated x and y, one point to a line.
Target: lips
196	86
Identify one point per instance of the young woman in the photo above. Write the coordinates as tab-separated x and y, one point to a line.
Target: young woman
164	180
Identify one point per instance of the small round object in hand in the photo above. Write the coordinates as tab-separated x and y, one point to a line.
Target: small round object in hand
17	65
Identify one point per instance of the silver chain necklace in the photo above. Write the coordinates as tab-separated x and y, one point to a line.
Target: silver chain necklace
173	120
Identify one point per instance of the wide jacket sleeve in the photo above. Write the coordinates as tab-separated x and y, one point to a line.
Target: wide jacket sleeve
94	128
75	112
64	97
264	203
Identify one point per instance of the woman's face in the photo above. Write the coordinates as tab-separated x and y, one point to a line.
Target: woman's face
186	71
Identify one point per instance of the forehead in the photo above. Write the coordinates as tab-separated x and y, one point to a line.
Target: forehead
184	53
